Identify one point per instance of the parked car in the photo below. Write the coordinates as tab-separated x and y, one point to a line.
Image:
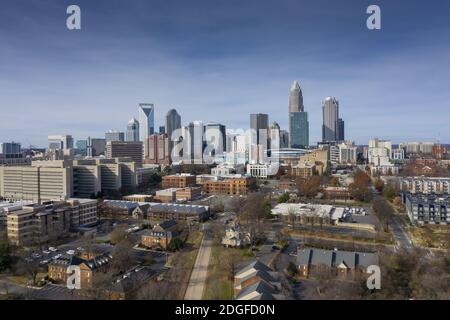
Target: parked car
53	249
71	252
46	252
36	255
44	262
80	249
57	256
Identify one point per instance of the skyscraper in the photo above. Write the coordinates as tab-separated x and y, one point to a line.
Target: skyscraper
259	141
60	142
296	98
219	132
299	125
340	136
112	135
173	122
146	122
193	142
298	118
132	130
330	111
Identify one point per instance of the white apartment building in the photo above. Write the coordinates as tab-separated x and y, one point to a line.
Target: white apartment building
426	185
347	153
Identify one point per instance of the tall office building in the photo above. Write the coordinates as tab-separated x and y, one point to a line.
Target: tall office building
216	131
132	130
340	136
298	118
81	147
259	141
10	149
112	135
118	149
193	142
96	147
173	122
158	149
333	126
296	98
146	122
60	142
162	130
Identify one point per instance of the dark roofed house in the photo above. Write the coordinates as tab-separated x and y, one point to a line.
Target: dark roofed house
57	269
256	281
125	286
341	263
140	212
160	236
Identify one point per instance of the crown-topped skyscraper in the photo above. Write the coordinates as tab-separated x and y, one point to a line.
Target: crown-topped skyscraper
298	118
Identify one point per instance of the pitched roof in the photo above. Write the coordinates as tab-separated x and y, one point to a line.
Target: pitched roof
255	264
335	258
260	287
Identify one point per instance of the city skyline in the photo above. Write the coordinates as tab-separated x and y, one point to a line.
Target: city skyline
221	66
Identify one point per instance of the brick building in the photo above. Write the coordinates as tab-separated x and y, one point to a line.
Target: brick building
178	181
233	186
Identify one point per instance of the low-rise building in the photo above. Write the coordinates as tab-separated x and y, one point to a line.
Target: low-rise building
307	212
160	235
337	193
426	185
139	198
256	281
182	180
344	264
58	270
233	186
423	209
188	193
166	195
33	224
235	237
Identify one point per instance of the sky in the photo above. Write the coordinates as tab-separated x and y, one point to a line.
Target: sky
220	60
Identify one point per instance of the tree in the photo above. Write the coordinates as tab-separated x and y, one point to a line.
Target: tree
389	192
309	187
292	269
359	189
122	256
28	269
118	234
283	198
334	182
5	256
175	244
379	184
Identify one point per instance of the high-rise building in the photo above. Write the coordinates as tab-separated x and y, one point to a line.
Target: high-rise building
112	135
132	130
158	149
146	122
96	147
259	142
117	149
215	134
162	129
298	118
340	135
296	98
10	149
81	147
299	126
331	121
60	142
173	122
193	142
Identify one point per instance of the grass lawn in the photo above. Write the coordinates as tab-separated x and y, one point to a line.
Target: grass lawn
432	236
181	264
219	286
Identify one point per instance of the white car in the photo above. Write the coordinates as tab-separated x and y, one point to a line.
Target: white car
80	249
71	252
46	252
52	249
57	256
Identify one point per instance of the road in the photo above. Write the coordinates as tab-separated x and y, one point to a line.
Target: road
400	235
197	281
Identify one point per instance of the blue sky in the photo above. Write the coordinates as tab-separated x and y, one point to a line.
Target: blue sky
220	60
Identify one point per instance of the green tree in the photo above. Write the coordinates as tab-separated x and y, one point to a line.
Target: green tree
283	198
5	256
389	192
175	244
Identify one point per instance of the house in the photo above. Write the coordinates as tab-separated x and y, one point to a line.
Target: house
140	212
160	236
126	285
340	263
58	269
256	281
235	237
